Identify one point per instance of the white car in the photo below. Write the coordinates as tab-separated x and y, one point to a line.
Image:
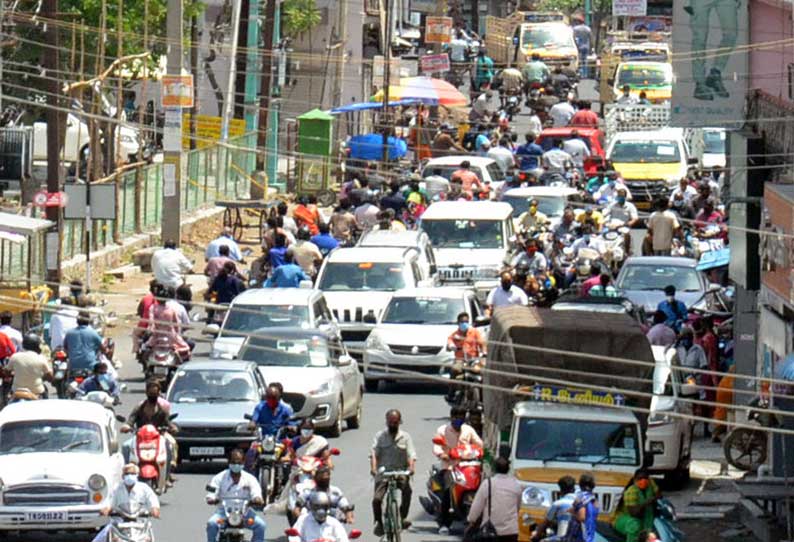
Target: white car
413	332
59	463
486	169
268	308
321	381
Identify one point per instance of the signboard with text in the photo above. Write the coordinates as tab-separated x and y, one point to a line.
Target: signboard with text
434	63
631	8
177	90
208	130
438	29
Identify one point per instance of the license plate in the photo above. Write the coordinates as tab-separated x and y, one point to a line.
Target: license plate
160	370
45	516
643	205
208	451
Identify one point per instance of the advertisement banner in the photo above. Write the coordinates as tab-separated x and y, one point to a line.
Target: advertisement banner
710	64
177	91
631	8
434	63
438	29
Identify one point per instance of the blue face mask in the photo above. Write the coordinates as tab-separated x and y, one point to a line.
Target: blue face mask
621	199
456	424
463	326
586	238
130	479
104	380
236	468
686	343
611	184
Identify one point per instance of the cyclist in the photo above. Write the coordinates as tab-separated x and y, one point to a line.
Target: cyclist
392	450
468	344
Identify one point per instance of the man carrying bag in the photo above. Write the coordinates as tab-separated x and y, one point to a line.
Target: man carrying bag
495	507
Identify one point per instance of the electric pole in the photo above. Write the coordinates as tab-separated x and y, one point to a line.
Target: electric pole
172	132
266	88
53	116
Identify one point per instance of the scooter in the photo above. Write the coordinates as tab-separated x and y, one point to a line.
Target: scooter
663	525
466	476
134	527
60	365
149	452
233	518
302	480
161	361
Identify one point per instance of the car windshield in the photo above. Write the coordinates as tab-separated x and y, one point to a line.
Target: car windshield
714	142
603	443
644	76
212	386
244	318
423	310
495	172
645	152
464	233
287	352
547	37
446	171
341	276
551	206
657	277
50	436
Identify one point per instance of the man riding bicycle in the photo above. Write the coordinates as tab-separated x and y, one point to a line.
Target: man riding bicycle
469	345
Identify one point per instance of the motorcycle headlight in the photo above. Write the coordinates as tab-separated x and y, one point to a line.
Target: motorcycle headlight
97	482
375	342
324	388
269	444
235	519
243	429
535	497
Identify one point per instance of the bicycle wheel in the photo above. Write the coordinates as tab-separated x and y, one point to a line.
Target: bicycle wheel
393	522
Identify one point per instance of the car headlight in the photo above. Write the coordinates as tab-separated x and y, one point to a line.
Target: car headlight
324	388
658	417
535	496
375	342
489	272
657	447
97	482
243	428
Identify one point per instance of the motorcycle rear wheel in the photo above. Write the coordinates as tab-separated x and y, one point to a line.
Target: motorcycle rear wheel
745	449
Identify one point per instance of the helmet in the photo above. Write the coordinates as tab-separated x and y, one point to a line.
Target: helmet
304	234
31	341
320	504
522	269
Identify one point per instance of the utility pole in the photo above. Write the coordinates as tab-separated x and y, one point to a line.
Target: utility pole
386	80
172	132
341	24
54	171
251	66
268	115
229	103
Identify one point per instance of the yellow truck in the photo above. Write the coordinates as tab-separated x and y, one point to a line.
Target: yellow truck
655	79
620	52
512	40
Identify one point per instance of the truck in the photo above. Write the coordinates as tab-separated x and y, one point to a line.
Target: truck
554	414
512	40
626	48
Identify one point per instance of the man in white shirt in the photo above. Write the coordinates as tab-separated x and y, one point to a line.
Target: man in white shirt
459	47
535	126
226	238
687	191
662	227
502	155
484	106
623	210
506	294
561	113
366	215
319	525
577	148
14	335
497	500
627	98
609	190
169	265
556	160
61	322
235	483
130	497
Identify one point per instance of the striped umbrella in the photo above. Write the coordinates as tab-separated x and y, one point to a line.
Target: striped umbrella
428	90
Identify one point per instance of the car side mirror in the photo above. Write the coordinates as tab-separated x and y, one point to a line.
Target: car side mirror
334	451
714	288
344	360
354	534
120	418
482	320
213	330
113	447
173	416
692	161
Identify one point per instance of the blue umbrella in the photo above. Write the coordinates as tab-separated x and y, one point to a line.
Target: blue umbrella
785	369
370	147
714	258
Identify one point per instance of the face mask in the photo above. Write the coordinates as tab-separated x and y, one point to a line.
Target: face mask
272	403
670	298
463	326
678	202
130	479
323	484
456	424
533	210
152	398
642	484
506	286
621	200
393	429
686	343
236	468
306	433
611	184
531	251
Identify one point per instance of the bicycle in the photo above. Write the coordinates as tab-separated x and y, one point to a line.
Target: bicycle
392	520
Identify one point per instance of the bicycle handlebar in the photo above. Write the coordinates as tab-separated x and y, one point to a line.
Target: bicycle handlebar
395	473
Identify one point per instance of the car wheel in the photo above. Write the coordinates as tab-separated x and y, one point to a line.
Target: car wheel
354	422
336	429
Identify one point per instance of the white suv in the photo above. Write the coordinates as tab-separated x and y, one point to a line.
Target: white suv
359	281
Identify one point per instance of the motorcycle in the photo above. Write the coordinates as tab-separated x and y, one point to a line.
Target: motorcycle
301	480
272	462
663	525
586	258
161	361
466	479
615	241
134	527
233	516
746	448
150	453
295	536
60	365
468	394
512	106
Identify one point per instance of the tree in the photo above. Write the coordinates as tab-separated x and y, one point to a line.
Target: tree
599	10
299	17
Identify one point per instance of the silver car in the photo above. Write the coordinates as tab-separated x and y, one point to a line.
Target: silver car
411	338
321	381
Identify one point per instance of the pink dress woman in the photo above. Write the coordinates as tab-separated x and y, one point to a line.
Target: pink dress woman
165	328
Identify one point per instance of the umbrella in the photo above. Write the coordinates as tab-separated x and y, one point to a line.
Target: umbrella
370	147
714	258
363	106
785	368
427	90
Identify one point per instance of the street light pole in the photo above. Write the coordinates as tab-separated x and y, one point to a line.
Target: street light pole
172	132
386	80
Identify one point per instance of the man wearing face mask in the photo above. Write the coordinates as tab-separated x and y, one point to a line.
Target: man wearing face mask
608	192
455	433
392	450
235	483
622	210
307	443
675	310
506	294
532	219
636	507
319	524
533	258
341	508
101	380
156	411
130	497
272	414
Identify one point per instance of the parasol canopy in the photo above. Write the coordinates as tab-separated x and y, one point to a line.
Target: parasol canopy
427	90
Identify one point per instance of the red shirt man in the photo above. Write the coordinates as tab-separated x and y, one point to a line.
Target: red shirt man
584	117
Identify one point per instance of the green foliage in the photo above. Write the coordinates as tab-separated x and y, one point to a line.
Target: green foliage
570	6
299	16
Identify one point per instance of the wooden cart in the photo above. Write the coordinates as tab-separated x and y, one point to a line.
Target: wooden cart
235	210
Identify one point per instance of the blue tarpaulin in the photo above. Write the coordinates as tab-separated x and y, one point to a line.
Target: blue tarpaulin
363	106
370	147
714	258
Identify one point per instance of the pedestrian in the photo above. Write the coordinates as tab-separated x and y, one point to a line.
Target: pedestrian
343	222
707	340
663	227
225	238
660	333
306	216
306	253
444	144
674	309
558	516
483	70
497	502
366	214
8	330
277	253
506	294
724	400
635	510
170	266
324	240
692	356
288	223
275	226
392	450
582	35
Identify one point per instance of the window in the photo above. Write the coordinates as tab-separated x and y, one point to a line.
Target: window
791	81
